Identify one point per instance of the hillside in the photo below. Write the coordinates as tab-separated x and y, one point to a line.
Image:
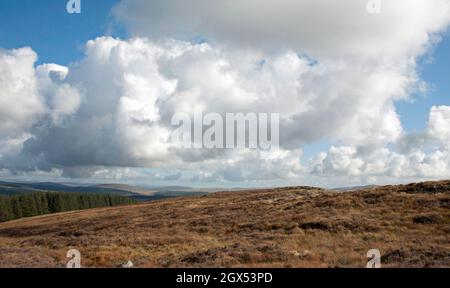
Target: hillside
285	227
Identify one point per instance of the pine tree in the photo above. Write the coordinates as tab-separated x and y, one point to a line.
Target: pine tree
6	212
28	205
16	208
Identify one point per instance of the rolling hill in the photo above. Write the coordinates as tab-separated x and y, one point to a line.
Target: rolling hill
137	193
284	227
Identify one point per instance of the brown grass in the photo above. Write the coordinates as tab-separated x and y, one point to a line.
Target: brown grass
285	227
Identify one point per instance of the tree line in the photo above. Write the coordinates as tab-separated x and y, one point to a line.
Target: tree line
34	204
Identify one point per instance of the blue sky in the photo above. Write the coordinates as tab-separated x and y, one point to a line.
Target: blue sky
56	36
414	114
59	37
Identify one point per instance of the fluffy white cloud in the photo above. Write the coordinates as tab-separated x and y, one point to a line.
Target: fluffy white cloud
421	156
320	28
131	89
439	124
20	101
28	96
62	99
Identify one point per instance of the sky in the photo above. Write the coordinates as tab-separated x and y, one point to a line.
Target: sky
363	98
56	36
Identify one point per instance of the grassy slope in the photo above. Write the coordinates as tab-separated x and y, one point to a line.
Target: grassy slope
286	227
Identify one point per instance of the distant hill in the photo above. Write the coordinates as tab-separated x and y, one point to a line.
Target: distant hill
281	227
137	193
353	188
125	188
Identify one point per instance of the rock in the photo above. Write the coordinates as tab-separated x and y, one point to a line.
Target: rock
301	254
